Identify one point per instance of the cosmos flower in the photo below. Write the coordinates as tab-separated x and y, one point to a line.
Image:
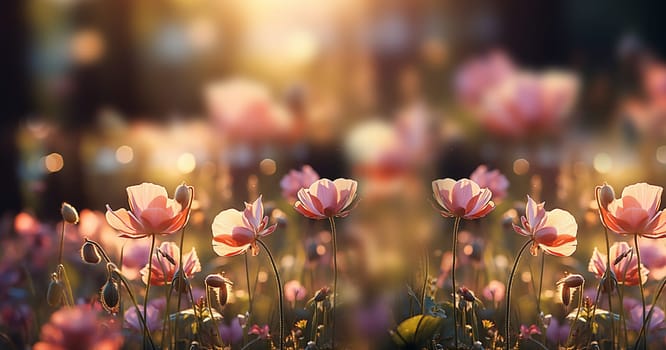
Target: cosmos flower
234	231
623	264
463	198
79	328
326	199
293	181
553	231
164	271
151	212
493	180
635	212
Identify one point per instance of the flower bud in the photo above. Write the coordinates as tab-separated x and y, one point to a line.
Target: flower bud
179	282
216	280
110	296
69	213
606	195
55	292
182	195
195	345
572	281
90	253
322	294
565	294
466	294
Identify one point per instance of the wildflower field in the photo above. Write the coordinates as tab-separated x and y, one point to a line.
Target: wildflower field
335	175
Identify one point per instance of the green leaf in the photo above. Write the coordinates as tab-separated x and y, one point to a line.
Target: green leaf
416	331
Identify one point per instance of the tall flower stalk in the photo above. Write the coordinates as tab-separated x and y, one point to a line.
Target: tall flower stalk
462	199
326	199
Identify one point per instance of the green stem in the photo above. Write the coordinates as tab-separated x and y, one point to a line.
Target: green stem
456	225
150	271
508	294
640	280
62	242
335	279
249	293
136	307
279	288
649	315
425	280
212	316
194	308
580	305
62	274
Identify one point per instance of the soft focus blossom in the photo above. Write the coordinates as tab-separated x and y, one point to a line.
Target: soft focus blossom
625	270
79	328
231	333
135	257
293	291
493	180
325	198
163	270
653	256
151	212
262	332
153	321
463	198
648	113
373	319
295	180
635	212
553	231
480	74
245	110
494	291
527	332
635	318
557	331
234	231
529	103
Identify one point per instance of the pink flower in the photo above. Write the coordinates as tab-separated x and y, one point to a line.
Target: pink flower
79	328
163	270
527	332
495	181
295	180
529	103
234	231
262	332
463	198
494	291
653	256
238	106
325	198
553	231
477	76
135	257
294	290
635	213
636	318
153	321
625	270
151	212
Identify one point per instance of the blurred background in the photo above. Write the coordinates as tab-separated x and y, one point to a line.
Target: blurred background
229	96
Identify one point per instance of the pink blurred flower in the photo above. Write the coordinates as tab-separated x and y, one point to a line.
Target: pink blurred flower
494	291
529	103
79	327
635	321
151	212
294	290
325	198
232	333
527	332
234	231
163	270
648	113
238	106
295	180
553	231
135	257
26	224
154	319
653	256
463	198
445	266
635	213
626	270
477	76
493	180
262	332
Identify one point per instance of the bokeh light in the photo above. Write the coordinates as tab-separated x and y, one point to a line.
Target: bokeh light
186	163
124	154
54	162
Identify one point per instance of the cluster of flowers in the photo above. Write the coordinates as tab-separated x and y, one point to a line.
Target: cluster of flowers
152	213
